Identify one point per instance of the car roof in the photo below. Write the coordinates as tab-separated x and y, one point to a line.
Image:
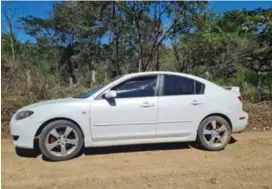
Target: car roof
167	73
156	73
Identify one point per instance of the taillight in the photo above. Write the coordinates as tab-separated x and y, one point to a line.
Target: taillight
240	98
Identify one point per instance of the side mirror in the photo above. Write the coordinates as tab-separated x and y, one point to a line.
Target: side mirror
110	94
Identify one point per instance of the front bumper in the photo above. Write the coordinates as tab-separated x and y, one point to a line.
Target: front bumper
23	132
240	122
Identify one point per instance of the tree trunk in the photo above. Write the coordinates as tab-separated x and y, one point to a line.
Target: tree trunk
71	82
71	71
12	46
28	79
93	76
259	87
140	64
158	60
117	39
106	77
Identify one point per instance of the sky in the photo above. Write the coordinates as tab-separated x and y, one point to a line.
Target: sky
42	9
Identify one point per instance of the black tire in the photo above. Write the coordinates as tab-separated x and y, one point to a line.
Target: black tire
202	140
53	125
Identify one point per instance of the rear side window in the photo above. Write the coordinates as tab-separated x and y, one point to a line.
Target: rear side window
177	85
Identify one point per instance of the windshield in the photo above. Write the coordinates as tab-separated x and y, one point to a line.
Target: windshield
88	94
94	90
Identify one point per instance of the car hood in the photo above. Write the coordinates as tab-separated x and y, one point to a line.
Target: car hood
51	102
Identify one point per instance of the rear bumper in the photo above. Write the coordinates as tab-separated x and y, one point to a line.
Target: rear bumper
240	123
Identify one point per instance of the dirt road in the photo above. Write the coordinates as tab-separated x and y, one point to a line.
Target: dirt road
246	163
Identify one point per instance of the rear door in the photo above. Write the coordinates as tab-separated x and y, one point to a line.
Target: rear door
181	103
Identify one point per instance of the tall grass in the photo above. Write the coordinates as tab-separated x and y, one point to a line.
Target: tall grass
17	91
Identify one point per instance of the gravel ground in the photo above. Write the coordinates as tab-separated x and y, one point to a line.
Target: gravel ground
245	163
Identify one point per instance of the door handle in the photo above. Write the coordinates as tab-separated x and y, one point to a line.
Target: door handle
146	104
195	102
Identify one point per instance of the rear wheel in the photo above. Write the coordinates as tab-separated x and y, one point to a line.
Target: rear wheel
214	133
60	140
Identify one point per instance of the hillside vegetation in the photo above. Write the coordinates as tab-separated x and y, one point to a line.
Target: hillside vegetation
84	44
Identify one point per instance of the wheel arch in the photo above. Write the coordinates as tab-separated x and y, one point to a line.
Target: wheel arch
43	125
220	115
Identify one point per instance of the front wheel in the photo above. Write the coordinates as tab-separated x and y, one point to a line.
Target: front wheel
214	133
60	140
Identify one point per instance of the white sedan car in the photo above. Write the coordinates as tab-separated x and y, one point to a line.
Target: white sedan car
149	107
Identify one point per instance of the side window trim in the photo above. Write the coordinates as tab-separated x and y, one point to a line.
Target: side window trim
158	83
194	87
203	86
161	84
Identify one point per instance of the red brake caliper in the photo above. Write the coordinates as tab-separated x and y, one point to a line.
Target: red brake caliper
52	139
218	125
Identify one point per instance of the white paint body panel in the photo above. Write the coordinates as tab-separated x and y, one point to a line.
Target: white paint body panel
133	120
125	119
176	117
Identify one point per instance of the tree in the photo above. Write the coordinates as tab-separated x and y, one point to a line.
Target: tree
72	27
148	19
80	39
257	55
8	14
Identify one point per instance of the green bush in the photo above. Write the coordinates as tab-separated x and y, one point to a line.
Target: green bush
247	81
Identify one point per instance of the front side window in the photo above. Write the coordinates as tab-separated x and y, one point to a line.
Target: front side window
137	87
177	85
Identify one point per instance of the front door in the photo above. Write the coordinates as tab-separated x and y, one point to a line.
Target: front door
131	115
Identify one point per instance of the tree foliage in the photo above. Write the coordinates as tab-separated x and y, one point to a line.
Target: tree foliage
87	40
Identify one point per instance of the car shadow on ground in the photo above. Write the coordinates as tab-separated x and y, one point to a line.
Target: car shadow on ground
136	148
27	153
30	153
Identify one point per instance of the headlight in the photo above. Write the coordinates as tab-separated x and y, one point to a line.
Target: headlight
23	114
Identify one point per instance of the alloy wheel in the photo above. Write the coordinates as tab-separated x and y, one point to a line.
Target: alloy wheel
215	133
61	141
